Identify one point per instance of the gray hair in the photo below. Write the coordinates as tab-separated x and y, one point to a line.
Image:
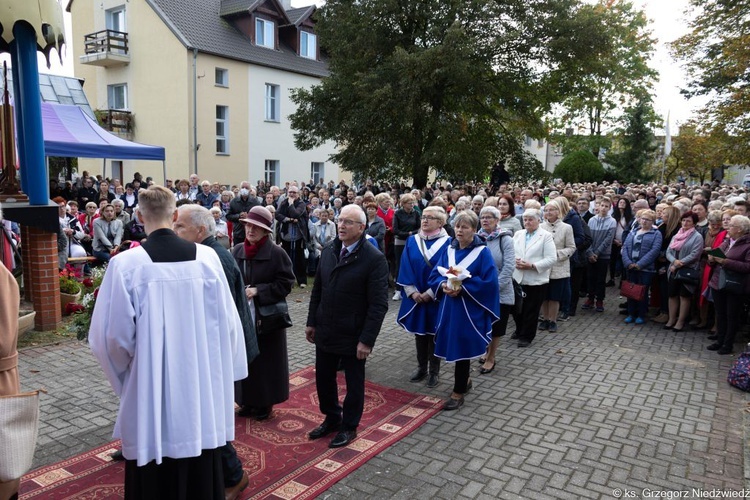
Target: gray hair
743	222
436	211
357	212
118	202
490	210
466	217
200	217
532	212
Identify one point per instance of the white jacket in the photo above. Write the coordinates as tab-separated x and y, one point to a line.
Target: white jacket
540	251
565	243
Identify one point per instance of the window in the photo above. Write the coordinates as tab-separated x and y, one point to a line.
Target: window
222	130
540	143
117	96
264	34
527	140
115	19
272	103
308	45
272	172
222	77
316	171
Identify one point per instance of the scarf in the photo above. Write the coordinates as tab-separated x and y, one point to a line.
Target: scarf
433	235
251	250
490	236
680	238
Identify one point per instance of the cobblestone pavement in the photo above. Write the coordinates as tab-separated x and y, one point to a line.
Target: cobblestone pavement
597	407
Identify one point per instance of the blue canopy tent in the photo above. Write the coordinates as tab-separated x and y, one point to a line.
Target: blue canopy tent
70	132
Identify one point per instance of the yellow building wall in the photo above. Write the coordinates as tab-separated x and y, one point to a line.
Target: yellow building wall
158	76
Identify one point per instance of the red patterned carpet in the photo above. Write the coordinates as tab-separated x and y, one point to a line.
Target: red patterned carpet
277	455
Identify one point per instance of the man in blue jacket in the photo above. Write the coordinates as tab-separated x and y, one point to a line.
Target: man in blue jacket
347	306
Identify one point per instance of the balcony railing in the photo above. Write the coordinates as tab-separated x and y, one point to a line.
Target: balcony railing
119	122
106	48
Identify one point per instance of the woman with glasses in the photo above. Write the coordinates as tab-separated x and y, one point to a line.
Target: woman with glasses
507	208
418	312
684	252
467	311
639	254
500	243
535	255
729	302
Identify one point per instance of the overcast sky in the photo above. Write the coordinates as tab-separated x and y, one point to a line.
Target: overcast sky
668	23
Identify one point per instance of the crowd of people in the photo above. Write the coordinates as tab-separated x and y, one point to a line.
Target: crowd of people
459	261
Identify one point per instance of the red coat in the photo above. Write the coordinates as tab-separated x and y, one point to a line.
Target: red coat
707	269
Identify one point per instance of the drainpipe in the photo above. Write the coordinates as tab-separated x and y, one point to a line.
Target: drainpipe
195	111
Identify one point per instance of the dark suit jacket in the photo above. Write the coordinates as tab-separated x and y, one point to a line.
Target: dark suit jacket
237	287
349	298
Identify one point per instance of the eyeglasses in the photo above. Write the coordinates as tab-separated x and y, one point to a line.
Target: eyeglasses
429	217
348	222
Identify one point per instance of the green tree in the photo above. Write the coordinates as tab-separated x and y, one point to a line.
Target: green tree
696	152
616	70
431	85
637	143
579	166
716	53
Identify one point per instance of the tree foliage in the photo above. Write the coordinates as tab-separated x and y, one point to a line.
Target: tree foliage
716	53
579	166
432	85
637	144
615	72
696	152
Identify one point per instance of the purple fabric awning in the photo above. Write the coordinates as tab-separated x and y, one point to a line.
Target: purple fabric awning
70	132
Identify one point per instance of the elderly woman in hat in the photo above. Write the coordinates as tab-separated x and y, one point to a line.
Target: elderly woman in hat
268	276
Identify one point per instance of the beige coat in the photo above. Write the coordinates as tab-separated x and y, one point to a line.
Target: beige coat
9	385
565	243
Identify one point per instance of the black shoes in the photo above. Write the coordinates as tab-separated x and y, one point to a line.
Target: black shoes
418	374
724	350
117	456
453	404
713	337
324	429
433	380
342	439
714	347
485	371
524	343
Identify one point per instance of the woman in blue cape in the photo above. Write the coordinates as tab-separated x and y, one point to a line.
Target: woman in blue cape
418	311
465	315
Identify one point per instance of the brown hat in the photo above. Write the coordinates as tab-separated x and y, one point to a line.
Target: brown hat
259	216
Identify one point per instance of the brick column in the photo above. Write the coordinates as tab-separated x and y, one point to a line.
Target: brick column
41	276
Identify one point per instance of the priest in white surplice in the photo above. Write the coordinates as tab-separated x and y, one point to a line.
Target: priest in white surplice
169	339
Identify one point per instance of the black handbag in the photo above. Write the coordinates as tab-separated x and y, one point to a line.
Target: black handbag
687	276
731	281
273	317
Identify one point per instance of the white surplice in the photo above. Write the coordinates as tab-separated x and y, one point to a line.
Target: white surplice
170	341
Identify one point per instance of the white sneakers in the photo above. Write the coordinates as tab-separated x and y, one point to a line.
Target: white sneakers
397	295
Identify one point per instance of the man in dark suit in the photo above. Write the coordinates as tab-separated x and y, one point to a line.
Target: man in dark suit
196	224
347	306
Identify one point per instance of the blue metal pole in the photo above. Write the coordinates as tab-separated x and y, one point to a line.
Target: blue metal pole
32	155
18	111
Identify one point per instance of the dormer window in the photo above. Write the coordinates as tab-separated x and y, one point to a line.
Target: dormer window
264	34
308	45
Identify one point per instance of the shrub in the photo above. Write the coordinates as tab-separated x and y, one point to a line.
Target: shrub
580	166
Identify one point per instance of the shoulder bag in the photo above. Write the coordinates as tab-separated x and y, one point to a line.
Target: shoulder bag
739	374
273	317
731	281
687	276
19	426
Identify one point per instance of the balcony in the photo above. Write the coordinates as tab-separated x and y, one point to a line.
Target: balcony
106	48
119	122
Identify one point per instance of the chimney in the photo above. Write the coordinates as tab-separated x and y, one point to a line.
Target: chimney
287	4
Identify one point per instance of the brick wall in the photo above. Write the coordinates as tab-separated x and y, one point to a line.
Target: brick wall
40	276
